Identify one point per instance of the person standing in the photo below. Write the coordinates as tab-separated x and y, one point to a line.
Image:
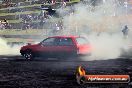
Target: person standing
125	31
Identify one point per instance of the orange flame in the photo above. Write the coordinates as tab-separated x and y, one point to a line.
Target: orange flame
81	71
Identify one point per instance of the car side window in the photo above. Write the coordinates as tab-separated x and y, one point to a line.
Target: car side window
48	42
65	41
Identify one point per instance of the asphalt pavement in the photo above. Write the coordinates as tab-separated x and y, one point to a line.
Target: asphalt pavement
16	72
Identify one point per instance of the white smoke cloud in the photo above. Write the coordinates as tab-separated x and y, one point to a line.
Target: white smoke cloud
99	18
102	25
7	50
106	46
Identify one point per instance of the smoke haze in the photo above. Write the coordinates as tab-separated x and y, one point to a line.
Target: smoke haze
102	26
7	50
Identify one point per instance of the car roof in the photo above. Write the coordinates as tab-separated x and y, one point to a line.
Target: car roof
64	37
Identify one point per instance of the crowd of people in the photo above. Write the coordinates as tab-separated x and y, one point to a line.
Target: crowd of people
35	21
42	18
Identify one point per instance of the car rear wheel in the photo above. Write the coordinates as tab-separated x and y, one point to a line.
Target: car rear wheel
28	55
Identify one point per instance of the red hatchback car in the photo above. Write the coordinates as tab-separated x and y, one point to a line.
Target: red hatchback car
57	46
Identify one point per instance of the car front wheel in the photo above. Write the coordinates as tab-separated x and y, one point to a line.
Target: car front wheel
28	55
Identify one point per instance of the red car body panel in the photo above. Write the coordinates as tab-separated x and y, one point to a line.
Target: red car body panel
84	49
75	47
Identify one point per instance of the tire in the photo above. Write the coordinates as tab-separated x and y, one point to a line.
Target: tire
28	55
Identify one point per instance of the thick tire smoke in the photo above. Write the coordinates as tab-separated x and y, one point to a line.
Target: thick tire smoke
102	25
5	49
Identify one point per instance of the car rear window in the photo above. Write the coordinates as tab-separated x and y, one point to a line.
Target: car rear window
82	40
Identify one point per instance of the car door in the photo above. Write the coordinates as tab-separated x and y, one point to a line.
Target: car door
65	46
48	46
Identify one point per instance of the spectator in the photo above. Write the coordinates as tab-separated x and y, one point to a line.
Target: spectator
42	22
5	24
63	3
53	1
57	28
125	31
5	21
1	25
60	24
